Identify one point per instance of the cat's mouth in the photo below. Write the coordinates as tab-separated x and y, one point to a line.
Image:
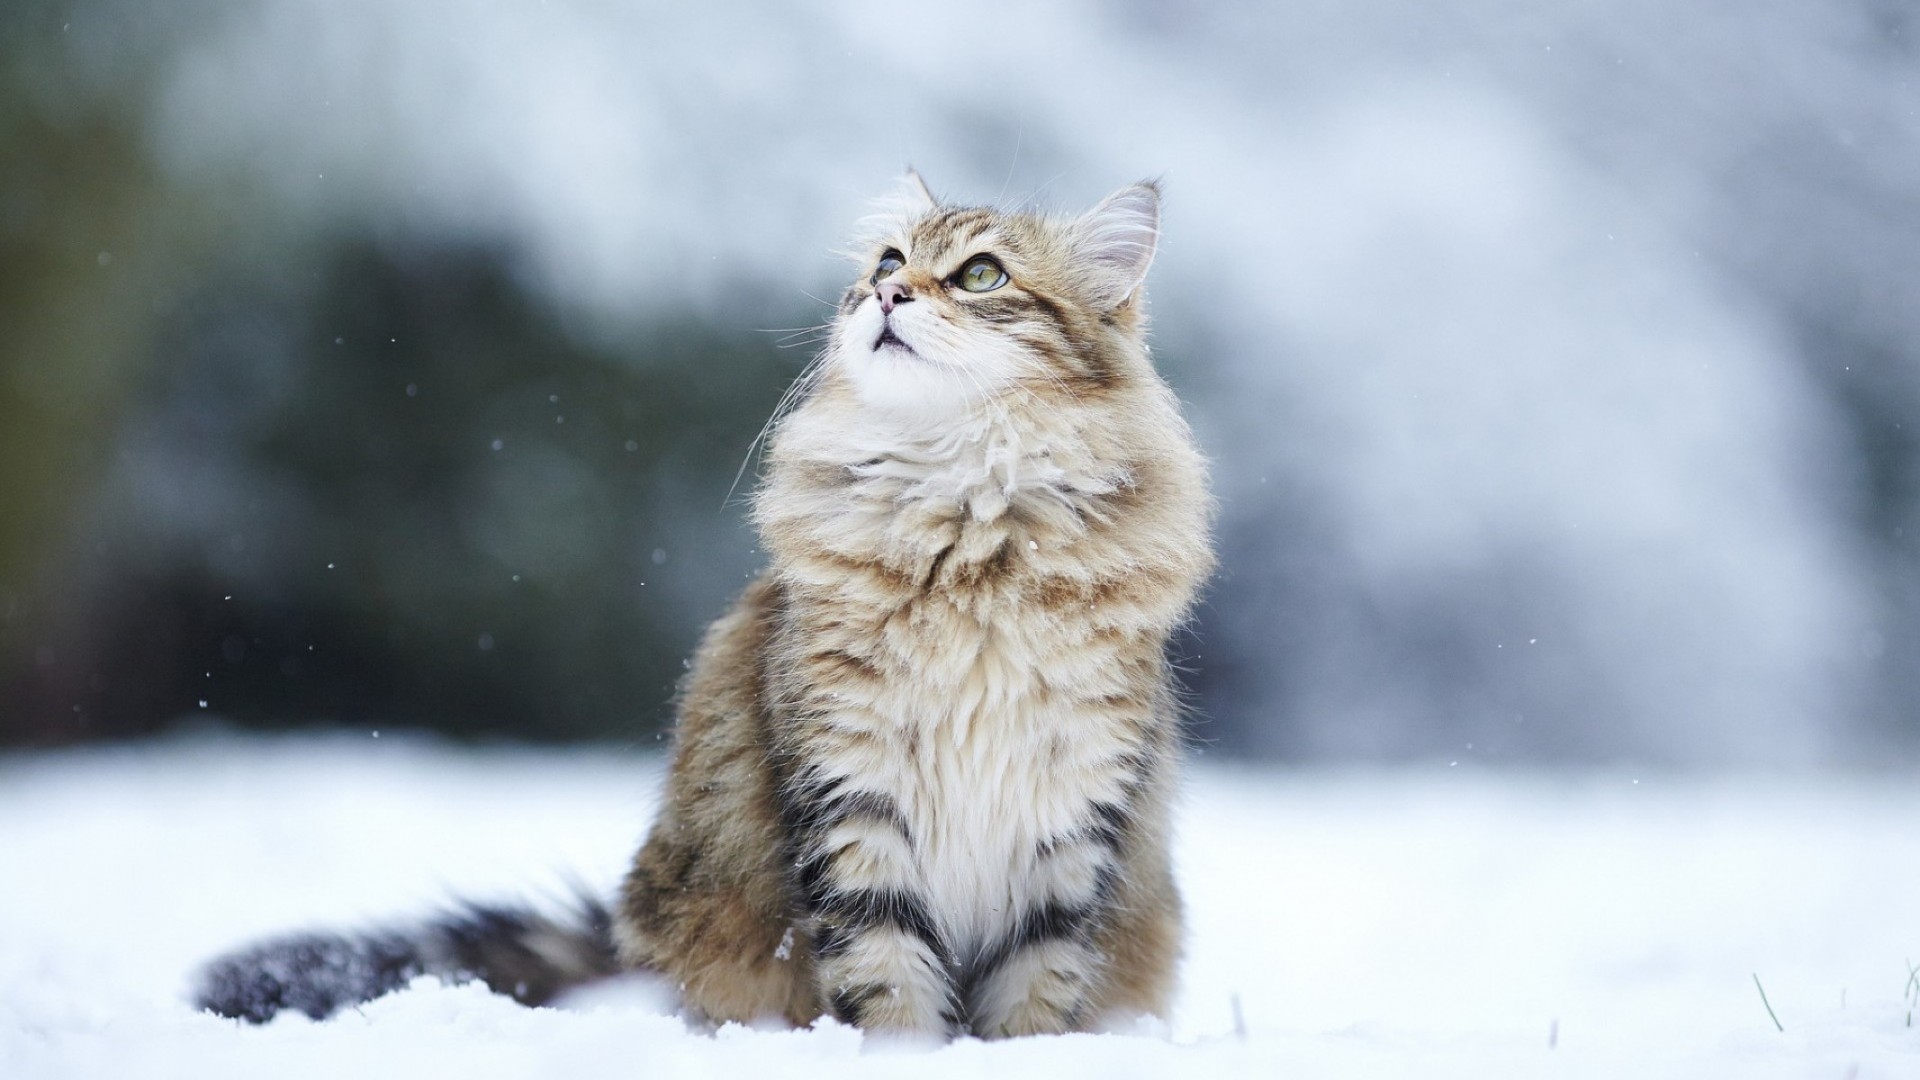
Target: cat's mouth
888	337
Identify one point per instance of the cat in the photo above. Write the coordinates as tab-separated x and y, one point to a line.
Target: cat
924	768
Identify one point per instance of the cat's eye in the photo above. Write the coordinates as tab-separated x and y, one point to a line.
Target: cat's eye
981	275
890	260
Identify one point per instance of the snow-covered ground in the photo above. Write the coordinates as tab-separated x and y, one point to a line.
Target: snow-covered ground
1430	922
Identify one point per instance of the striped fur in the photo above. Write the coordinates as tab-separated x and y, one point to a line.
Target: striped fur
923	769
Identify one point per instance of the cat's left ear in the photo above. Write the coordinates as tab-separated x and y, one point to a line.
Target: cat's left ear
1114	242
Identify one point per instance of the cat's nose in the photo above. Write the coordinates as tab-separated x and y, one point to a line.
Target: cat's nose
891	293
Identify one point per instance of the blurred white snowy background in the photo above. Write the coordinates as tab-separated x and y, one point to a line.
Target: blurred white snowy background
1557	358
386	366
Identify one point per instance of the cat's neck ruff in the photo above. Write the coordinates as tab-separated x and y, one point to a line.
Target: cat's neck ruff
984	459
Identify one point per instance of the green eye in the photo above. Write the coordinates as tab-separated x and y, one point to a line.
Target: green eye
890	260
982	275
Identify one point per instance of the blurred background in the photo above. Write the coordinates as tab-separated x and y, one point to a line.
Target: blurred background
390	366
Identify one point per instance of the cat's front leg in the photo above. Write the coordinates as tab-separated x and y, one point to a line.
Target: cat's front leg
1043	975
879	959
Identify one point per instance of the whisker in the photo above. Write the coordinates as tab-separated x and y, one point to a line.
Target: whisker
795	392
1032	201
1019	133
801	337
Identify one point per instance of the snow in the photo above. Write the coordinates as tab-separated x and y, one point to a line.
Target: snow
1419	921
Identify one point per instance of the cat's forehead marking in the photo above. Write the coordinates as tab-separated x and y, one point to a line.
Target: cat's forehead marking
948	229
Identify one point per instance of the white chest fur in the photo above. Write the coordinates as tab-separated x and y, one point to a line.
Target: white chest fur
994	739
985	777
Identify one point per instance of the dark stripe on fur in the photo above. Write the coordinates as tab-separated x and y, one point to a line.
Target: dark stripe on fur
1110	827
847	663
850	1002
846	913
939	232
933	569
1085	345
849	1005
1053	920
812	809
1050	921
852	804
811	802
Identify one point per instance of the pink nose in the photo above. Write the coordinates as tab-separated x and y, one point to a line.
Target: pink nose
890	294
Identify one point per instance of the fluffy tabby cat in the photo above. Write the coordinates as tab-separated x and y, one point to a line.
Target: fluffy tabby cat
924	766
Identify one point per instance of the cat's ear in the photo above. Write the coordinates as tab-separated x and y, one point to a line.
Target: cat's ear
891	216
915	188
1114	242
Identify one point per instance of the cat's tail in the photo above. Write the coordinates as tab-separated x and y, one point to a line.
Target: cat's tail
531	956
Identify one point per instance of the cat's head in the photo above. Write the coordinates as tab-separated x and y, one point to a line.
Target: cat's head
954	305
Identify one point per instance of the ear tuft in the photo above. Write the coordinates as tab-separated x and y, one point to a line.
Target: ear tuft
890	217
915	186
1115	240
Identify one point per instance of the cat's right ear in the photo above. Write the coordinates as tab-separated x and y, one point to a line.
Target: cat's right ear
890	217
1115	241
915	187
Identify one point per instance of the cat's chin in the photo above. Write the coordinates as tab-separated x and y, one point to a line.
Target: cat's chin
897	381
892	378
